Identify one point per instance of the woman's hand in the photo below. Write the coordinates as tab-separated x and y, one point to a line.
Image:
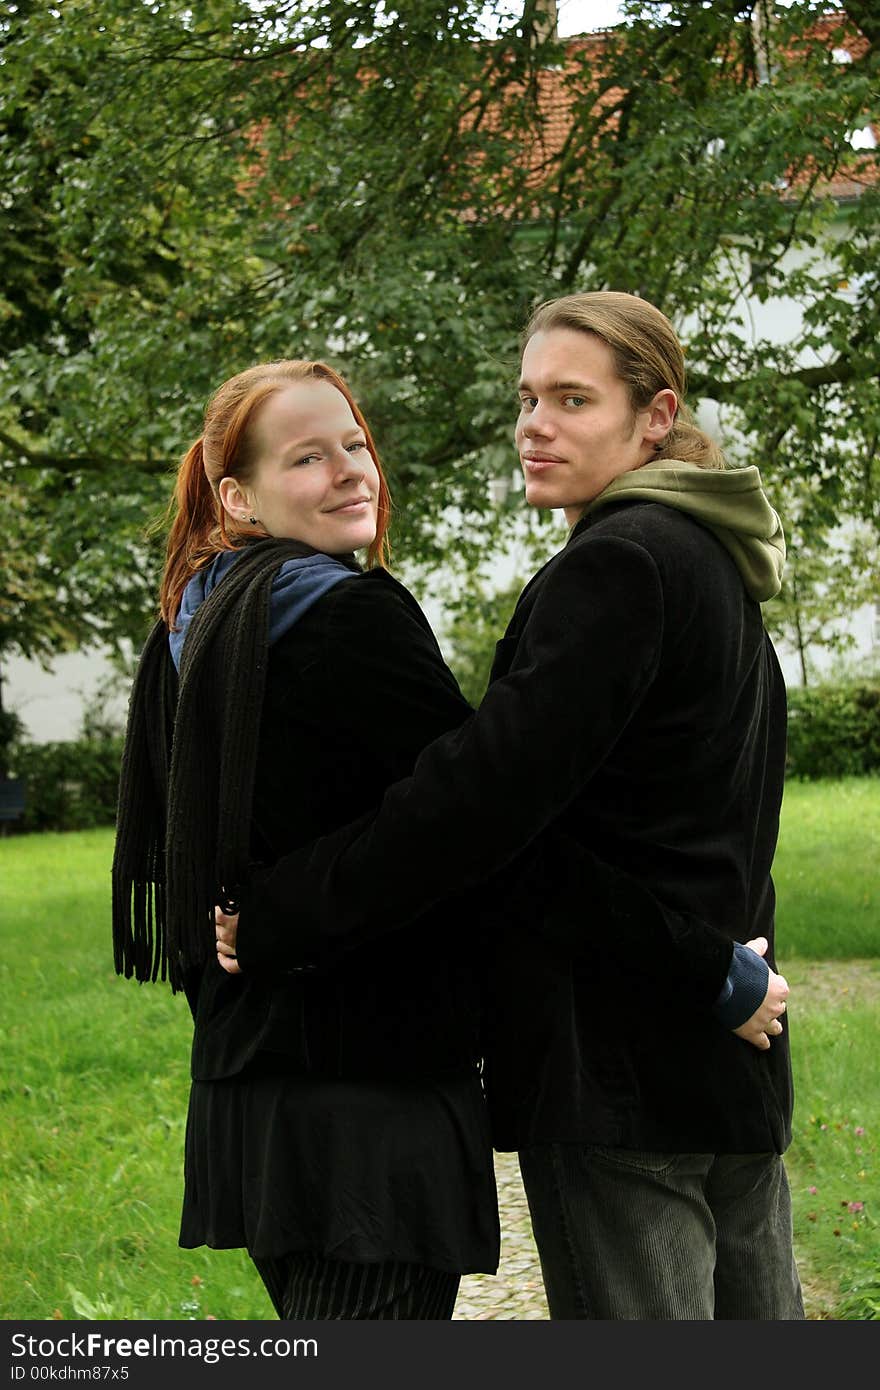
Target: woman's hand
766	1022
226	932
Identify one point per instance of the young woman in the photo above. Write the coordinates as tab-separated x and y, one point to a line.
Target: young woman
336	1126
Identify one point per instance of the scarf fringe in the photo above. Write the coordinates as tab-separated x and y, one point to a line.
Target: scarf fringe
187	777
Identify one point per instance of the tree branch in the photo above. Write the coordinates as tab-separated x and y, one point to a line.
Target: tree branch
76	463
838	373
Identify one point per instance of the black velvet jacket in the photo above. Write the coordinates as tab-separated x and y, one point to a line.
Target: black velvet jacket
636	706
353	693
686	797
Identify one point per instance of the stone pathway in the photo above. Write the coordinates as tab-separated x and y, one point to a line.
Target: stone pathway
516	1292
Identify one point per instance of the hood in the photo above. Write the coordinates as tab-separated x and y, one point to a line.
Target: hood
731	503
297	585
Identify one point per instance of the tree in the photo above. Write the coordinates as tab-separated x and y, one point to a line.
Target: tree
828	576
479	620
191	188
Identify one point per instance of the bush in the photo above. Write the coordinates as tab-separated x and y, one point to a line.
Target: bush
68	786
834	731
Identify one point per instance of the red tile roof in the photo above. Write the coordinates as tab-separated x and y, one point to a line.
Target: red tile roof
561	88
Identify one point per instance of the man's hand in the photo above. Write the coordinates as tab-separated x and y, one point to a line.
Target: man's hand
226	931
766	1022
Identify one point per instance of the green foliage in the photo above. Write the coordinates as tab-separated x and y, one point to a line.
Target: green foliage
78	570
479	621
862	1303
11	728
834	731
829	574
68	786
189	189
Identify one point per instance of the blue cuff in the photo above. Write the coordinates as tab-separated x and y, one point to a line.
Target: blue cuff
744	989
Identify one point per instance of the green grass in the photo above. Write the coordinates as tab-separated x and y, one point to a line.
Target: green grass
833	1160
93	1106
95	1083
826	870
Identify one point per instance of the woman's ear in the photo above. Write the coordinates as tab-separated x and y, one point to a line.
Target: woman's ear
235	499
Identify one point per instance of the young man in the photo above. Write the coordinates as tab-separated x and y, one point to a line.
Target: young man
636	711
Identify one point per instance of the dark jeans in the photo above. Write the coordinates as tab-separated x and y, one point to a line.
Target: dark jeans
656	1237
306	1288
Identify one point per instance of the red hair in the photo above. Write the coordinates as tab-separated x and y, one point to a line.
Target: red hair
225	450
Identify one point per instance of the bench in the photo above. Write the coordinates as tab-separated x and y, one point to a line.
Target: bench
12	799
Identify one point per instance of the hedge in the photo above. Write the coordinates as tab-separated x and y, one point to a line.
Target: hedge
834	731
68	786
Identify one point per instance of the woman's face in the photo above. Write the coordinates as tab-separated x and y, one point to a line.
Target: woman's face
314	480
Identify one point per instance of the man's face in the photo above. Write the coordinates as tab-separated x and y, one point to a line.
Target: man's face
576	430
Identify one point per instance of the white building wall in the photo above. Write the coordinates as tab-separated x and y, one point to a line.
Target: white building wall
51	703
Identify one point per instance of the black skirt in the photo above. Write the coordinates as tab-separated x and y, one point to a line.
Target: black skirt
357	1171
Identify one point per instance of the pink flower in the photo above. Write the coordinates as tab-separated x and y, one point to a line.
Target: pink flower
813	1191
859	1130
855	1206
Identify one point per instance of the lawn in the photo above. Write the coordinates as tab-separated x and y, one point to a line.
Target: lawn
93	1110
826	870
96	1081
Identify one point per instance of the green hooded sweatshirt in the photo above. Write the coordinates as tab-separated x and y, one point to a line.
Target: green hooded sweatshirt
729	502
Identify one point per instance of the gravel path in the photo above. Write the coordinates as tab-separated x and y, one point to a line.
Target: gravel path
517	1290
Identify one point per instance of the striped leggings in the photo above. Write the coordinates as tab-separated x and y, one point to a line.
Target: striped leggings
307	1288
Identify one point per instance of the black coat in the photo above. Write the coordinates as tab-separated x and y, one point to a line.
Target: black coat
353	692
636	707
686	797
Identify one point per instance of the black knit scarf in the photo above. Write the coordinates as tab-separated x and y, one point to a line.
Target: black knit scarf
187	778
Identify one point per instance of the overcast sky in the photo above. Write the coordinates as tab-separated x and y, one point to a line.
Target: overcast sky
579	16
575	16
